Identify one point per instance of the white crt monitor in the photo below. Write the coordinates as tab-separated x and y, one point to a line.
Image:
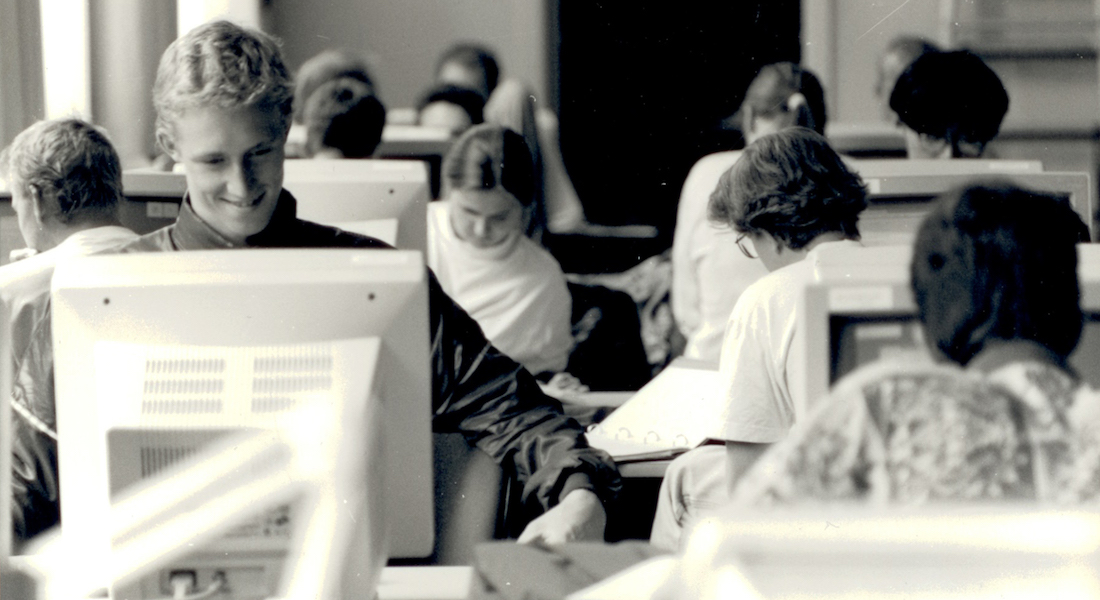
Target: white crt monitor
898	202
862	309
385	199
158	354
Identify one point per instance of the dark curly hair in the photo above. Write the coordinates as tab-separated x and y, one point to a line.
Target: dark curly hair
792	186
953	96
993	261
468	100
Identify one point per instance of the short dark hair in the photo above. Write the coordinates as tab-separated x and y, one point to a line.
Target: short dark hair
487	156
953	96
325	67
466	99
792	186
993	261
475	58
773	86
71	161
344	114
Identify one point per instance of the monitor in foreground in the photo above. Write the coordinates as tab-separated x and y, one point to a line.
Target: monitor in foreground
160	355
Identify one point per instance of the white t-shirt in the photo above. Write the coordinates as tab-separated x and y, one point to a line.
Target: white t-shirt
515	291
31	276
762	355
709	272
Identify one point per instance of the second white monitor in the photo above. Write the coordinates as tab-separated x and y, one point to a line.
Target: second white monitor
385	199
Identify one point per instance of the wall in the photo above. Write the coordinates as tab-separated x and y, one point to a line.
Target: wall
842	40
403	39
127	39
21	93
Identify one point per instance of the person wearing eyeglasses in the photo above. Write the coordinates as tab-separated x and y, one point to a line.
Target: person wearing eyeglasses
788	196
708	274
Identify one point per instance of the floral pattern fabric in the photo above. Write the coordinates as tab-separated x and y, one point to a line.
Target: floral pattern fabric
896	434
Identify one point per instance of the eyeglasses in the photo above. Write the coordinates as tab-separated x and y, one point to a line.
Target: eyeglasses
741	246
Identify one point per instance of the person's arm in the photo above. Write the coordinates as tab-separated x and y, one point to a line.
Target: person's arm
35	496
498	405
740	456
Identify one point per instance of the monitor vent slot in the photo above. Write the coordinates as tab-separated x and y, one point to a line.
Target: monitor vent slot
181	406
184	386
278	379
291	384
272	405
184	366
317	363
156	459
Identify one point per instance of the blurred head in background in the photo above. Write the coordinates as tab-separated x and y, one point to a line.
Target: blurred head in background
950	105
468	66
453	108
343	119
782	95
898	55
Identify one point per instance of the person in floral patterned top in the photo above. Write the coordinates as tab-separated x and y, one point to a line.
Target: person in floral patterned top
1004	416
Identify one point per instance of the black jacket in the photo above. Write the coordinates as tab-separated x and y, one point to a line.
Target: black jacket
476	390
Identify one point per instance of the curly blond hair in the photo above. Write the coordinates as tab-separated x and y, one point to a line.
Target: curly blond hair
223	65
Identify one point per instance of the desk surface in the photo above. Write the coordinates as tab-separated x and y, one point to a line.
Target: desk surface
425	583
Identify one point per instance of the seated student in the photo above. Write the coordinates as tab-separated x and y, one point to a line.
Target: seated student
468	66
708	271
343	119
513	288
950	105
895	58
994	273
790	194
511	103
66	183
320	69
452	108
222	96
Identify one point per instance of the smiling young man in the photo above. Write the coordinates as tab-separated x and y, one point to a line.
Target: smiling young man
223	101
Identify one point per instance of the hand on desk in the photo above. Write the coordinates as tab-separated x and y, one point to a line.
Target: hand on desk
578	517
563	386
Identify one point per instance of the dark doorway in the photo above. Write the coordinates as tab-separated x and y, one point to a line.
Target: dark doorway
643	86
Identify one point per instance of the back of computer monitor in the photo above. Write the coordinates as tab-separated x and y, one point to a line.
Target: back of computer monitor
864	291
861	309
1086	358
150	199
414	142
871	168
195	303
385	199
898	202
